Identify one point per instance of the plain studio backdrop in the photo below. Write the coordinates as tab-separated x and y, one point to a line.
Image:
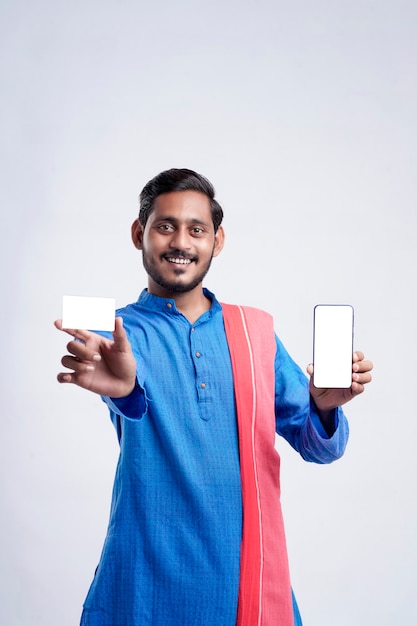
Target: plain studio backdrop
303	115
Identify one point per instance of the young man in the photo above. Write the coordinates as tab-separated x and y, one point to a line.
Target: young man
196	391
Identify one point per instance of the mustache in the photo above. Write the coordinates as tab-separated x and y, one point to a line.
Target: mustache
179	254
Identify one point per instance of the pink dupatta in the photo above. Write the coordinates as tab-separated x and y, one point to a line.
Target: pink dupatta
264	590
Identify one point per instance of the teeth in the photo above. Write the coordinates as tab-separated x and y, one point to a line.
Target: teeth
178	260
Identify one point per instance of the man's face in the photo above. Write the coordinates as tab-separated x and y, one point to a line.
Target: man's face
178	242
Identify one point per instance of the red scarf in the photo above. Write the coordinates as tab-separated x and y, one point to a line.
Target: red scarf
265	589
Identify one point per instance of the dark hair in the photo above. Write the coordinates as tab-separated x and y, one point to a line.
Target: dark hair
177	180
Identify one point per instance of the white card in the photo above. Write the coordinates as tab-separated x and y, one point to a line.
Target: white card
88	313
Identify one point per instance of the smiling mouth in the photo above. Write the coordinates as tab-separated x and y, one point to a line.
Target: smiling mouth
177	260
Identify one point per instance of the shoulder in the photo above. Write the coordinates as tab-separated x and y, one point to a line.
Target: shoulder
142	307
248	312
255	323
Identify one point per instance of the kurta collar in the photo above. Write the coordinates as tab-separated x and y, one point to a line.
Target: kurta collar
167	305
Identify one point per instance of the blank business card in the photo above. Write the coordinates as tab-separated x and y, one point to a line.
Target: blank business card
88	313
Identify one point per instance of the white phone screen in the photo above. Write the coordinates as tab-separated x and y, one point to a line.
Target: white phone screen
333	346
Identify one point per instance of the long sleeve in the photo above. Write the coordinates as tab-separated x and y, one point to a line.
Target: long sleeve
133	406
297	419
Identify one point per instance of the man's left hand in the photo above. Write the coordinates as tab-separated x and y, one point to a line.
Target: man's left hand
327	399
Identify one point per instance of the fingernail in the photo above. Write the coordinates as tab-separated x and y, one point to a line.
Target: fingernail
89	368
97	357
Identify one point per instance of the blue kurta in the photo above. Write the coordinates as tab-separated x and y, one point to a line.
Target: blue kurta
172	552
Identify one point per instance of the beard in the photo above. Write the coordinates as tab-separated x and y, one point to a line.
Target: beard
175	285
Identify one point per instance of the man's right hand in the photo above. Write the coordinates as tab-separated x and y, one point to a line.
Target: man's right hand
99	364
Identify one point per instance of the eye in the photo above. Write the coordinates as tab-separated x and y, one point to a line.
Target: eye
166	228
197	230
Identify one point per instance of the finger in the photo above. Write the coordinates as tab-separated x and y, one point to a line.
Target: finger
76	365
357	388
310	369
358	356
82	351
363	366
64	377
82	335
119	336
362	379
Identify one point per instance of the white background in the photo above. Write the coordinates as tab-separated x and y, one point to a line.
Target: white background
303	115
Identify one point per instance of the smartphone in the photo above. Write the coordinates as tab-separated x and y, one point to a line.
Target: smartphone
333	345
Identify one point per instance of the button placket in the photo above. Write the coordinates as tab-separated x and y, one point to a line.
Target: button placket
198	358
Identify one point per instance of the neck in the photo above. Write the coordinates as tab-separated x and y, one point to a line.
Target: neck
192	309
192	304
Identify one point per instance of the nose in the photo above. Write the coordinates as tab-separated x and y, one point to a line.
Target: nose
181	239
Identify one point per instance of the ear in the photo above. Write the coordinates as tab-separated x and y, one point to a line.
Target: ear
218	241
137	234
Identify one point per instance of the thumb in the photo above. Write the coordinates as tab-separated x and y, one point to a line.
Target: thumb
119	335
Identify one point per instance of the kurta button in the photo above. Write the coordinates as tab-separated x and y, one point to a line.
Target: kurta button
169	305
203	385
197	354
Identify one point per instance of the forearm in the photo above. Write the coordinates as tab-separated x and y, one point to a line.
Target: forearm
328	421
315	440
319	437
132	406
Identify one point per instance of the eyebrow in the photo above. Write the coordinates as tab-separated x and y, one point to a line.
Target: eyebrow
175	220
